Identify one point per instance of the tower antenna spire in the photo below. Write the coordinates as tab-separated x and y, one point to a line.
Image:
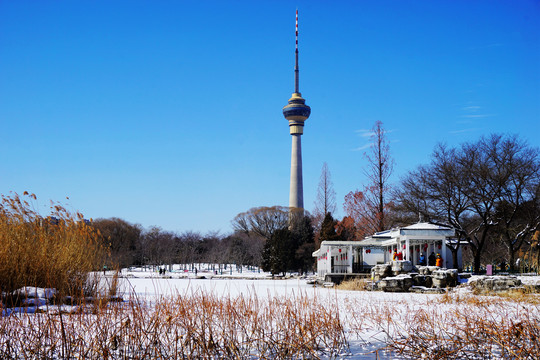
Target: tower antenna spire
296	72
296	112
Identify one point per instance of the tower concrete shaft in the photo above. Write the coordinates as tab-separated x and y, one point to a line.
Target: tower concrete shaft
296	111
296	194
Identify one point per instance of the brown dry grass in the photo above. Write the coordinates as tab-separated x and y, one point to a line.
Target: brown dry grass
56	251
468	326
190	326
470	332
356	284
203	325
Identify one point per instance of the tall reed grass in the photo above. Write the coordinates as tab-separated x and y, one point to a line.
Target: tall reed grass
198	325
202	325
483	331
453	326
56	251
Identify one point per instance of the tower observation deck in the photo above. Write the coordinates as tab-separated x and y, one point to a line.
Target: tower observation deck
296	112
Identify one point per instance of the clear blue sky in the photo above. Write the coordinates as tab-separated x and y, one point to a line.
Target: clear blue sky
168	113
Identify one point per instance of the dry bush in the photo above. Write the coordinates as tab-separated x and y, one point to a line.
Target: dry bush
525	294
56	251
520	295
202	325
473	327
355	284
198	325
468	333
449	326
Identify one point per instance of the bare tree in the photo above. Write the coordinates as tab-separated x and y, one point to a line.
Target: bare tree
369	208
378	171
158	247
476	188
486	177
518	211
263	221
436	192
122	239
325	201
187	247
244	249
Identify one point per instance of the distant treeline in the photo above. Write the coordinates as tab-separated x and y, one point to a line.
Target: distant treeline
129	244
278	239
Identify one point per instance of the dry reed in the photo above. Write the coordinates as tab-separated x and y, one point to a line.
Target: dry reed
202	325
57	251
472	327
355	284
198	325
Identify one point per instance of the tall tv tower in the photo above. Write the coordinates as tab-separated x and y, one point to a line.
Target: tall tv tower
296	111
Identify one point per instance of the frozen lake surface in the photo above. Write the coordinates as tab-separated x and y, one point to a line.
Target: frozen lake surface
367	321
368	346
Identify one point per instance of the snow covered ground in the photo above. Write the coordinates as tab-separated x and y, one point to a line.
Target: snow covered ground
356	308
369	319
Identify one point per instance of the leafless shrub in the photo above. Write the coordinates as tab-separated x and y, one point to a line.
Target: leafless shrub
355	284
188	326
475	327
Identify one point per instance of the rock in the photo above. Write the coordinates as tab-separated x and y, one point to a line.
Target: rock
427	270
35	302
442	278
422	280
427	276
59	309
401	267
494	283
379	272
426	290
35	292
452	277
400	283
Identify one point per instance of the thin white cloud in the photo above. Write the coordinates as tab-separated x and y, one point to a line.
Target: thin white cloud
462	131
365	133
369	133
487	46
364	147
472	108
477	115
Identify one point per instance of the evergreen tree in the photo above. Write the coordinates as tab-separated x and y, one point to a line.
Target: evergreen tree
290	249
305	245
278	252
328	228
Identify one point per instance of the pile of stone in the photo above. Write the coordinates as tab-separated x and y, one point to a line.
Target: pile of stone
379	272
402	276
485	284
399	283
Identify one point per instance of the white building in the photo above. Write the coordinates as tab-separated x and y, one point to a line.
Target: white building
346	257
